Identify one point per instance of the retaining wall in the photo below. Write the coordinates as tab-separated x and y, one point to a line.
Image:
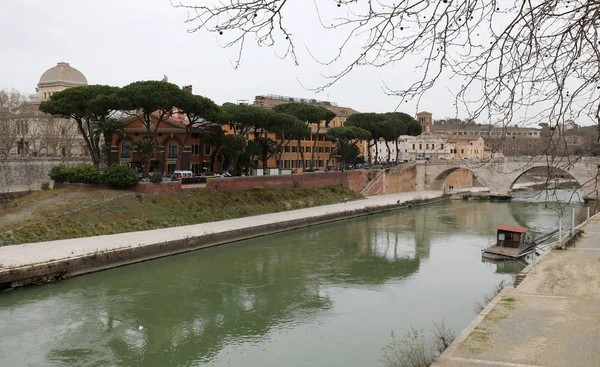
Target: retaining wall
23	174
146	188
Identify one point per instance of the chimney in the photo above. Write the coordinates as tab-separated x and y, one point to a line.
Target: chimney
187	88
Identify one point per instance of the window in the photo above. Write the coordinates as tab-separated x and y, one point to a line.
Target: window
432	146
196	149
307	149
426	146
286	149
320	163
196	168
286	164
126	150
321	149
206	149
172	151
405	150
413	147
420	146
171	168
307	164
326	149
333	162
294	163
294	149
442	146
462	151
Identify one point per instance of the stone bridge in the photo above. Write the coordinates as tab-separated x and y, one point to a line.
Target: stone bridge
500	174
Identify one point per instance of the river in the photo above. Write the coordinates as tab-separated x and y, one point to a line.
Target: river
328	295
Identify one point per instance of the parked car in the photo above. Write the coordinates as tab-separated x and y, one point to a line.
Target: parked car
181	174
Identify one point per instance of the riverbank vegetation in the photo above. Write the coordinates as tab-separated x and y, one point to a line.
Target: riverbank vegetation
67	213
413	350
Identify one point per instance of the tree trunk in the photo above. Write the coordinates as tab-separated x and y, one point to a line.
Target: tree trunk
146	169
301	154
88	142
397	151
188	134
237	170
376	151
264	162
107	146
369	153
387	145
312	154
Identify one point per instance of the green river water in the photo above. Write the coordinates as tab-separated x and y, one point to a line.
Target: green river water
328	295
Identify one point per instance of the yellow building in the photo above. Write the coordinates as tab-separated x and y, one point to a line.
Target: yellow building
298	156
468	147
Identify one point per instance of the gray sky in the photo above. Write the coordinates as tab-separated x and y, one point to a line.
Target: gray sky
116	42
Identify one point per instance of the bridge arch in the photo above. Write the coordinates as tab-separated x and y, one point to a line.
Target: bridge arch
552	176
457	177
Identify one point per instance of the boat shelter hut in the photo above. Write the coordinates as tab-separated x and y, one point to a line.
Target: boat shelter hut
510	236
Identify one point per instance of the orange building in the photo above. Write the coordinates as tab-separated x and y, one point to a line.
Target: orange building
171	134
324	150
195	155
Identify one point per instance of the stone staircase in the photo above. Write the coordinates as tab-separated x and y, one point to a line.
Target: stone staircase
375	186
519	278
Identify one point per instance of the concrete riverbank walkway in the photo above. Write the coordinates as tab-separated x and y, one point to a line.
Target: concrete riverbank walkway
552	319
61	251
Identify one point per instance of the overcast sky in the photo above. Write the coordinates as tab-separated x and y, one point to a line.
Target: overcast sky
116	42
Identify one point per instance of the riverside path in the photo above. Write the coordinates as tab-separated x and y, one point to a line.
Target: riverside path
552	319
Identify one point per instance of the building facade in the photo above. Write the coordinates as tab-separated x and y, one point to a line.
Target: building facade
297	155
33	133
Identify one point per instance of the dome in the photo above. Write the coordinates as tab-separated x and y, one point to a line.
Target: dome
63	73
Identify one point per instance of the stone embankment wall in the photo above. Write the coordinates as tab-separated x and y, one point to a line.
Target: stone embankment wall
354	180
24	174
146	188
368	182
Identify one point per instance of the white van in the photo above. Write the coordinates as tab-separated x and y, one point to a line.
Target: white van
181	174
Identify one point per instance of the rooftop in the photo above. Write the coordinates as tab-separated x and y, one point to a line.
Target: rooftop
63	73
505	227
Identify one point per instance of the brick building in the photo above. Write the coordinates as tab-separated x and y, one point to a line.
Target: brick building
171	134
195	155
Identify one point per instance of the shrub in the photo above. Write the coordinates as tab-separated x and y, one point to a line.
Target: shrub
156	177
58	173
83	173
46	186
120	176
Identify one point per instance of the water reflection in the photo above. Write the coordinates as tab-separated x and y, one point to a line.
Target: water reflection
194	308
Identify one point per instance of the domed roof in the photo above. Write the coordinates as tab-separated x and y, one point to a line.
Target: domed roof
63	73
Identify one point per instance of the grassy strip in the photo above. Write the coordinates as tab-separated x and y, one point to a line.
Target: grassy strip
141	212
